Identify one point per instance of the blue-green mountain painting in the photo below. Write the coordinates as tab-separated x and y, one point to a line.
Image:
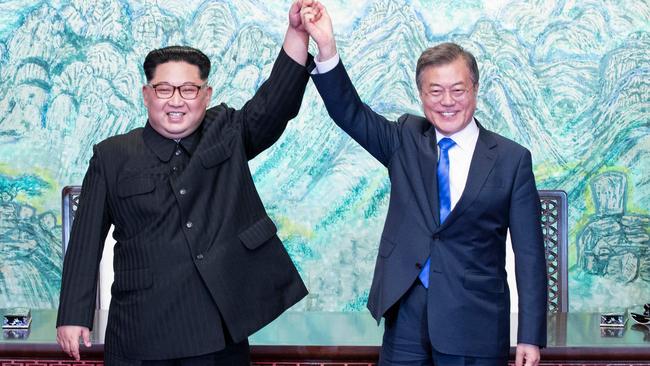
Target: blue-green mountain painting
568	79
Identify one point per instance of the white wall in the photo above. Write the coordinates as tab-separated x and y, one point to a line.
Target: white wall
106	272
510	267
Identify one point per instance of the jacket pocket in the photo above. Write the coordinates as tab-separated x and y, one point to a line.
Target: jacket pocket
216	154
133	280
258	233
479	282
133	186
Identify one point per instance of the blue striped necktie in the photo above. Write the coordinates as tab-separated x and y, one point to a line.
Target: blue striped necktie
444	196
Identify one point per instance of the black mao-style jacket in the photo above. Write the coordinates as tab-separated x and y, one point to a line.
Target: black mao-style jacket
195	249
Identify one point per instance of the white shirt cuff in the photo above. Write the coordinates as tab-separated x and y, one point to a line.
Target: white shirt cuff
325	66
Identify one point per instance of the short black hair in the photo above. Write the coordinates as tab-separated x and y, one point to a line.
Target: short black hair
176	54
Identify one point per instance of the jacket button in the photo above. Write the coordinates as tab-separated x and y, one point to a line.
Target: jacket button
177	152
182	191
418	265
189	224
199	257
436	237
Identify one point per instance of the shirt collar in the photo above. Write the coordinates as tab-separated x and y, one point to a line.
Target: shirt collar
189	143
164	148
465	138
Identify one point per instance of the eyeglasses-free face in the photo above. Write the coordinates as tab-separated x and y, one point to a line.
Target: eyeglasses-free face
175	114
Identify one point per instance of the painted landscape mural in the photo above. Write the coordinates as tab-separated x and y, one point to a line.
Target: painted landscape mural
568	79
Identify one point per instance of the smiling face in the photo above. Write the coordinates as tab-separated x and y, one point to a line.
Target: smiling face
176	117
448	96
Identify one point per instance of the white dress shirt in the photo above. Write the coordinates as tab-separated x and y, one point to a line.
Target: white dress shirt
325	66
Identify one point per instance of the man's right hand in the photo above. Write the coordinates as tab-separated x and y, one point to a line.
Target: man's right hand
67	336
318	24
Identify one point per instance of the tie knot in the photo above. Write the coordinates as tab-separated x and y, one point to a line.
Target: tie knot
445	143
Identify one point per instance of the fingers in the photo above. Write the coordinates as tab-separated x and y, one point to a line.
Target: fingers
318	14
519	357
532	360
310	14
72	342
68	338
298	7
307	14
85	335
62	343
527	355
320	7
70	347
295	7
62	340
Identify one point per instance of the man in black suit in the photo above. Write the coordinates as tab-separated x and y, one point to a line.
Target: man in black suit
456	189
198	265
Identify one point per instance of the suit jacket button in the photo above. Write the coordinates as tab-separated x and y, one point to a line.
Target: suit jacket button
183	191
436	237
189	224
418	265
199	257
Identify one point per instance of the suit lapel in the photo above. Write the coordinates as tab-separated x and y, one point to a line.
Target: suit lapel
428	158
485	155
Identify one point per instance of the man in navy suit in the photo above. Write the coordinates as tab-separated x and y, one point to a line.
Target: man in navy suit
456	190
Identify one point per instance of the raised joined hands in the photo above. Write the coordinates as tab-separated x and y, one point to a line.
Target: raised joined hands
317	22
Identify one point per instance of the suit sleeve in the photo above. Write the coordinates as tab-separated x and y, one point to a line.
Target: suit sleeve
277	101
81	263
530	260
375	133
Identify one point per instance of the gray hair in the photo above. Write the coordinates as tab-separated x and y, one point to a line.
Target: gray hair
444	54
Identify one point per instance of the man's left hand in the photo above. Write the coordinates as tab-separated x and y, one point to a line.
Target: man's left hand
295	19
527	355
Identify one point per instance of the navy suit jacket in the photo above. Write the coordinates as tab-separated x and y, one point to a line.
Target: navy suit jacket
469	301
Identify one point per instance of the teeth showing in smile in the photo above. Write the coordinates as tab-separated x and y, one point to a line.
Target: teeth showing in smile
448	114
175	114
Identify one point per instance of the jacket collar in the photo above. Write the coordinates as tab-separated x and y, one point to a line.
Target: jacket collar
483	161
164	148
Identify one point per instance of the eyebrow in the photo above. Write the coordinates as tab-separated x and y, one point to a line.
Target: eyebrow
458	83
183	84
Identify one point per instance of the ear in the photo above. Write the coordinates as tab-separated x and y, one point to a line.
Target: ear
145	96
421	94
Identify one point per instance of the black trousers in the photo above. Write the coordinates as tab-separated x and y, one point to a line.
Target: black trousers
235	354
